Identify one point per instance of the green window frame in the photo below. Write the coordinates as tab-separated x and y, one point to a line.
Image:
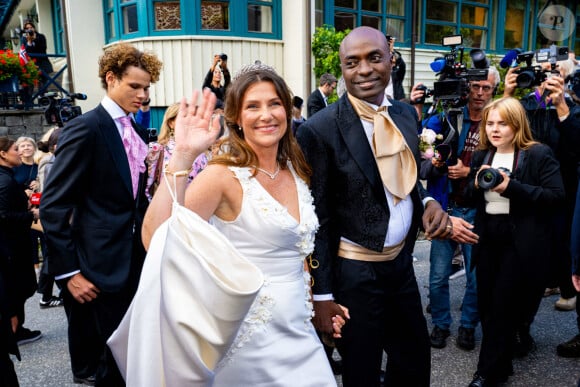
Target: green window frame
389	16
126	19
471	19
58	28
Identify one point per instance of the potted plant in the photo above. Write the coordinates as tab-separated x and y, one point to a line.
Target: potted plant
13	73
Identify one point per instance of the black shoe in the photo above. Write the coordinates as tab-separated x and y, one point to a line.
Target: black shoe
88	381
25	335
439	337
51	302
570	348
478	381
466	338
481	381
524	344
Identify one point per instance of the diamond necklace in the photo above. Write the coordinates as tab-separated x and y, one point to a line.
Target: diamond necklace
270	175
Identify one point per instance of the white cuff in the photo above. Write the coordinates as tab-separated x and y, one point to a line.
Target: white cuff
62	276
322	297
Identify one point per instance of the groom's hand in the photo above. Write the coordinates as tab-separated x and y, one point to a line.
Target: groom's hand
324	311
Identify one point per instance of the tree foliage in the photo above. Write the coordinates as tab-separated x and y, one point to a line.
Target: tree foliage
325	44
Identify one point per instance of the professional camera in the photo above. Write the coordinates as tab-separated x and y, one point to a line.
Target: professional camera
428	93
489	178
60	110
531	76
223	57
453	84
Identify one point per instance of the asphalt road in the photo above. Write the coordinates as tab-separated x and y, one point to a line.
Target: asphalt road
45	363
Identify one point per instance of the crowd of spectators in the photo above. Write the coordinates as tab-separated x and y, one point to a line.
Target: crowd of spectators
532	142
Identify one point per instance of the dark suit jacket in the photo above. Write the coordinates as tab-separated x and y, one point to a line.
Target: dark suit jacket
315	103
91	221
535	190
347	188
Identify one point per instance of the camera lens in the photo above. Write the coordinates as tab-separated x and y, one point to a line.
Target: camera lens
489	178
525	79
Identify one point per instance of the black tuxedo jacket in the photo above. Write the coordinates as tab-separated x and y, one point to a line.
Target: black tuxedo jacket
315	102
347	187
91	221
535	190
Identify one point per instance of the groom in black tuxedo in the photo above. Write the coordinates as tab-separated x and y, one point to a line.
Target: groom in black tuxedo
369	220
92	211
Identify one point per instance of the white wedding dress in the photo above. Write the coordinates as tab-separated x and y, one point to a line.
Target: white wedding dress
227	305
276	344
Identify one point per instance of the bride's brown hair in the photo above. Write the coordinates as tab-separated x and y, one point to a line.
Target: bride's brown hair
234	150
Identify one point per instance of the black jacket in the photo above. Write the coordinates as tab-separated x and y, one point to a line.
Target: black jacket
348	191
91	220
534	190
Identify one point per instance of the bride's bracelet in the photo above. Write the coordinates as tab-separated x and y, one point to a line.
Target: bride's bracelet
184	172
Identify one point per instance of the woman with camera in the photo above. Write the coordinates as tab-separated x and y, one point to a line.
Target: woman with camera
513	222
213	80
35	44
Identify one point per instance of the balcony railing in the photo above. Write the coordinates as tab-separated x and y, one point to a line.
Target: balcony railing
22	99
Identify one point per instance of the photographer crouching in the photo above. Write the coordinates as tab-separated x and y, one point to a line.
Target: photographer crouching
555	121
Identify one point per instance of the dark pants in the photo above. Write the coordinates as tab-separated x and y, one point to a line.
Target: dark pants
89	326
502	277
45	280
386	315
8	376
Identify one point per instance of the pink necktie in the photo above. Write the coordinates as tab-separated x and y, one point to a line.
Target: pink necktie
136	151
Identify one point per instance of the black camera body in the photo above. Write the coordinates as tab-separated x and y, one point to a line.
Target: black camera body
530	76
454	76
151	135
428	93
29	32
60	110
489	178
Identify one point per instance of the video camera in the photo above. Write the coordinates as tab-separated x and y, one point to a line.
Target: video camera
452	88
531	76
60	109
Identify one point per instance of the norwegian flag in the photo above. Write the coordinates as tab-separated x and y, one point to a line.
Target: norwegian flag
23	56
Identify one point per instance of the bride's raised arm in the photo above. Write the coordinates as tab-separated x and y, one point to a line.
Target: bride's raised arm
195	131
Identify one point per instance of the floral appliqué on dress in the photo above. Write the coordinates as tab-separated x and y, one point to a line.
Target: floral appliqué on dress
260	313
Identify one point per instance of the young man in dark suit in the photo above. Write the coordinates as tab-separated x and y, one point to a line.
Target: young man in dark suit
92	210
368	222
318	100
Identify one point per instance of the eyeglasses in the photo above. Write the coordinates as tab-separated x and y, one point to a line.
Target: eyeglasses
485	88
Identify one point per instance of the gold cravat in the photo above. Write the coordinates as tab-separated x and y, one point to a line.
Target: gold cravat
394	158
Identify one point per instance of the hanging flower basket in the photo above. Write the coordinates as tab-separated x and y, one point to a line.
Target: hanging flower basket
26	74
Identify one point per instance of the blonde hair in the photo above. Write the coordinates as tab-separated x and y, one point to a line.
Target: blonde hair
513	114
166	132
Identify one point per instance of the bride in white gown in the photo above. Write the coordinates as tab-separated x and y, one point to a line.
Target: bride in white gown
255	193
